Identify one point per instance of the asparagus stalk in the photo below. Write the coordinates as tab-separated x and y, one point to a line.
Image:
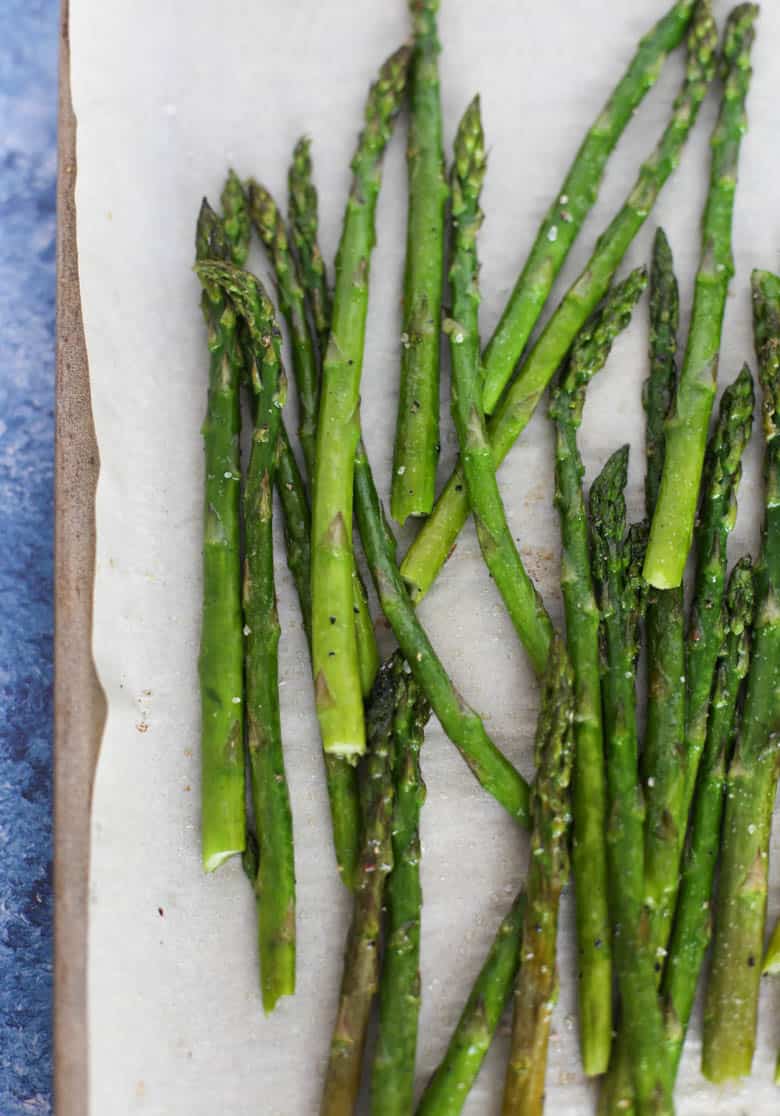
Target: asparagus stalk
399	994
334	646
663	769
449	1086
309	272
692	919
417	429
618	591
361	959
589	854
731	1004
574	200
537	984
272	231
686	434
722	473
303	220
663	773
435	541
221	661
463	726
275	881
523	602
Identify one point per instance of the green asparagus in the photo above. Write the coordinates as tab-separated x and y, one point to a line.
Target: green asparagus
686	434
334	646
523	602
275	882
303	220
221	662
537	982
437	538
618	592
589	855
772	955
448	1089
692	918
417	428
663	769
272	231
731	1004
463	726
392	1083
361	960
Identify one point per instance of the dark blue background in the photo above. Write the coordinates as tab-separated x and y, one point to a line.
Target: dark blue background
28	133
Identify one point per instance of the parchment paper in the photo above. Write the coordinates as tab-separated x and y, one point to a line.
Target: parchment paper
168	94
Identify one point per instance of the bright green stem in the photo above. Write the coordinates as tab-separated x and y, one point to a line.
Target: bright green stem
574	200
275	881
341	776
686	434
221	661
435	541
392	1082
303	220
693	915
464	727
448	1089
335	664
523	602
617	589
731	1004
537	986
417	428
271	229
589	854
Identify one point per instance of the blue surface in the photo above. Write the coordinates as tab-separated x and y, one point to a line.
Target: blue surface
28	105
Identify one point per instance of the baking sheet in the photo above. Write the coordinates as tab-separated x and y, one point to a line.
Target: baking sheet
167	96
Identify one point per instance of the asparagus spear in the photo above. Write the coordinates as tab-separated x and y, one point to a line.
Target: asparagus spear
449	1086
334	646
686	434
618	591
463	726
271	229
399	993
235	217
663	769
537	984
722	473
302	218
361	959
417	429
574	200
692	919
731	1003
589	855
663	773
436	539
275	882
221	662
523	602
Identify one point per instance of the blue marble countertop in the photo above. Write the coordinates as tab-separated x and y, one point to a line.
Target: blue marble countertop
28	160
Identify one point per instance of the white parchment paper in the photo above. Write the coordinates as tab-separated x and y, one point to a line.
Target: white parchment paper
168	93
